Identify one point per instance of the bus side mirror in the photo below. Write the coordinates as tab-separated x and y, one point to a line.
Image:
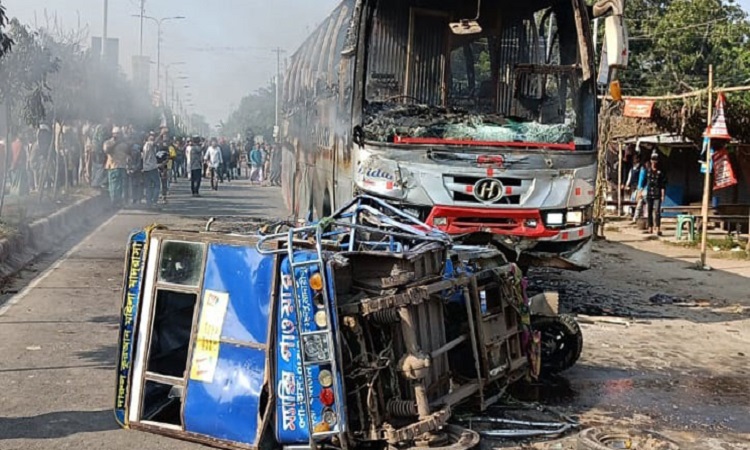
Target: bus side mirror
615	32
616	40
468	26
465	27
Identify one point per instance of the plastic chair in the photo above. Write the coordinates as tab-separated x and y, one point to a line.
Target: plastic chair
683	219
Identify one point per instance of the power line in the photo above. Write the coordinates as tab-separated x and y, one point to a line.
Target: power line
687	27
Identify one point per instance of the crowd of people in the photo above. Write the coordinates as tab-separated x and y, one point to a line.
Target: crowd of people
139	174
135	167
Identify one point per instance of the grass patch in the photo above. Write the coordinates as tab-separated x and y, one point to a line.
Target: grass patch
720	248
740	256
725	244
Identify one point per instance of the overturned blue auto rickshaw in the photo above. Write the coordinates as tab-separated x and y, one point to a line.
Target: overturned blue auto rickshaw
367	328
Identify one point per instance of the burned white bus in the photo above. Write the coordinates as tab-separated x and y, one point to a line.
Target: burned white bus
478	118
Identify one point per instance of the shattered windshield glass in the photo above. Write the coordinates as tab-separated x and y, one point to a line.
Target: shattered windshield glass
517	81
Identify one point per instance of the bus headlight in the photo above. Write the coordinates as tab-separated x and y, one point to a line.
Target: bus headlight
555	219
575	217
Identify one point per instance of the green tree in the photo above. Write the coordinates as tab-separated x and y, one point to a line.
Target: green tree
673	42
256	112
23	85
5	41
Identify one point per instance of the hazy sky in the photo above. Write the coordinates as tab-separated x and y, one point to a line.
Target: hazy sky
227	43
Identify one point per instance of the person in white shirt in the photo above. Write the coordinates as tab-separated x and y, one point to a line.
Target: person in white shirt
214	160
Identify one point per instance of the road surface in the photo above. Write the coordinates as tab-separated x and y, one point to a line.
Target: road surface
58	336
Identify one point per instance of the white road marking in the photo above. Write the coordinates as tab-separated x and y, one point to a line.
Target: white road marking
16	299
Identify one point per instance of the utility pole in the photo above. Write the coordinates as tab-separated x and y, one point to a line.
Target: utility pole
158	56
276	129
707	182
143	13
158	23
104	31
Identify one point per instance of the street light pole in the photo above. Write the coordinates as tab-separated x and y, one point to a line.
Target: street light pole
104	30
166	78
142	15
276	129
158	41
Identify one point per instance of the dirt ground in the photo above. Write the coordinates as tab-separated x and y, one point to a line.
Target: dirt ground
666	346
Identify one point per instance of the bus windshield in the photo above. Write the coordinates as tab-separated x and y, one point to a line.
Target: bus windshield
521	79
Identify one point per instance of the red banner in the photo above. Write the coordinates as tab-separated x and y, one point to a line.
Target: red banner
641	109
723	172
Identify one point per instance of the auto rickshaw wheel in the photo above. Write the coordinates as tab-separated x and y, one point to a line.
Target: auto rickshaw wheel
562	342
451	437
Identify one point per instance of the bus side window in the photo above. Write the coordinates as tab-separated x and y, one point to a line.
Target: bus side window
471	75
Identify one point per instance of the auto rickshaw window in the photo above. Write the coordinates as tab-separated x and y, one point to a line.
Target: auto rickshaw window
170	335
162	403
181	263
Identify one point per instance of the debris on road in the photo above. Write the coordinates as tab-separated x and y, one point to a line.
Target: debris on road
377	329
601	438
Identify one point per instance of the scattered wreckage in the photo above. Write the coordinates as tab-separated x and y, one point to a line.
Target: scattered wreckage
368	328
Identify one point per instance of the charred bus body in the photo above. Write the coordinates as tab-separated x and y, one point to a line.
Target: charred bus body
481	128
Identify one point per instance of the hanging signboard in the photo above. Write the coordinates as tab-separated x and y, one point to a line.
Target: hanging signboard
705	149
641	109
718	128
723	172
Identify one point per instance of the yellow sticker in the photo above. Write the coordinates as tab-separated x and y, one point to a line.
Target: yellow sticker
206	352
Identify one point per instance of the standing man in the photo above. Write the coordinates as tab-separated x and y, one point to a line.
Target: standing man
234	160
99	158
656	191
226	159
637	184
179	157
215	163
135	172
40	157
276	166
248	149
117	152
256	165
151	170
194	154
163	159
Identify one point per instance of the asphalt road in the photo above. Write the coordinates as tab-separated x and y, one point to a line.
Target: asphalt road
58	335
58	338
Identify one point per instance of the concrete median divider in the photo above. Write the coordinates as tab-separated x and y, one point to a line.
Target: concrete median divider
40	236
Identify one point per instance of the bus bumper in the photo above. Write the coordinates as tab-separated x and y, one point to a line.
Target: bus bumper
522	232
